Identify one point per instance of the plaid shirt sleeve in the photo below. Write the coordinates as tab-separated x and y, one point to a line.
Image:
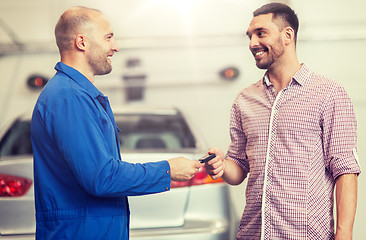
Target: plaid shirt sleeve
238	140
339	134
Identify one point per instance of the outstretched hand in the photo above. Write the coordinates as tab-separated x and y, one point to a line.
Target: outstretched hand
183	169
215	167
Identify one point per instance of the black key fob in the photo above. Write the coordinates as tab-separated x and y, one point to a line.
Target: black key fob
207	158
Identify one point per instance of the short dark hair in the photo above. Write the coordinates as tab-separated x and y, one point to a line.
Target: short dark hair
280	11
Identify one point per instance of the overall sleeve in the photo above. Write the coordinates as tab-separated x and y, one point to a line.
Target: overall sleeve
86	140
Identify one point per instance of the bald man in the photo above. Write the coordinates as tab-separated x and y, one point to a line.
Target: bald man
80	182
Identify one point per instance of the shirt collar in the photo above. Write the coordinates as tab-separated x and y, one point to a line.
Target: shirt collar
266	80
300	76
79	78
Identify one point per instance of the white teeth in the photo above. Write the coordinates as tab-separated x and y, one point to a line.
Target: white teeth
259	53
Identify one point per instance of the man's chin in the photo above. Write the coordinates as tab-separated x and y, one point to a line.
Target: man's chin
262	66
105	71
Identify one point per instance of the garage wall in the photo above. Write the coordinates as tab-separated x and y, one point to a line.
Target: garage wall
182	60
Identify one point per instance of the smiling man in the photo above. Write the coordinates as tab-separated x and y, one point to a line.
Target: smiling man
294	133
81	183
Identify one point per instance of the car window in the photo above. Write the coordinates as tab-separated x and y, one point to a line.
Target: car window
16	140
138	132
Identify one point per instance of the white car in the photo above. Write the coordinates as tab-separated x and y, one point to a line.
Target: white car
199	209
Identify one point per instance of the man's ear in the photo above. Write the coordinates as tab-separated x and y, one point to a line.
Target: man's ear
289	35
80	42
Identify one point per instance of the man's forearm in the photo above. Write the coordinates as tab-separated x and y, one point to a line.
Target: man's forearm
233	175
346	200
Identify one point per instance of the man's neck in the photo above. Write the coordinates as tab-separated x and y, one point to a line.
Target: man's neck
78	65
281	75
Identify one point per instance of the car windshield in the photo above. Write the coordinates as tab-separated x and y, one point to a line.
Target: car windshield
138	132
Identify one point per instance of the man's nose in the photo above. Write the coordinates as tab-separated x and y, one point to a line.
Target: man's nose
115	45
253	42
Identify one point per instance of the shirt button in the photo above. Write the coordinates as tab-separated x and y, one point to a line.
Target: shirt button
167	188
168	172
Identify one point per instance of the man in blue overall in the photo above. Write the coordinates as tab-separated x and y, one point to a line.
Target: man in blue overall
81	184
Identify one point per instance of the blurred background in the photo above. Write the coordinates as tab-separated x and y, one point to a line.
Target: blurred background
190	54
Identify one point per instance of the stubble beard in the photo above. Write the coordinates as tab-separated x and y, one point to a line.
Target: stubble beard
276	53
100	65
98	60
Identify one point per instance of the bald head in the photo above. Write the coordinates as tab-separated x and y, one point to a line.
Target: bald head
76	20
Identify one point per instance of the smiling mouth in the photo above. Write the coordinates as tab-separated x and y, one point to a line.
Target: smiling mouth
258	53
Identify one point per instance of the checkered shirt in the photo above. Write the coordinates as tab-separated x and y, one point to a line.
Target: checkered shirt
294	145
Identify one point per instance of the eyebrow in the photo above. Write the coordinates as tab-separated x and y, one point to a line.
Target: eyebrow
109	34
255	30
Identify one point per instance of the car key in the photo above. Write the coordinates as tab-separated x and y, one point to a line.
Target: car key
207	158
